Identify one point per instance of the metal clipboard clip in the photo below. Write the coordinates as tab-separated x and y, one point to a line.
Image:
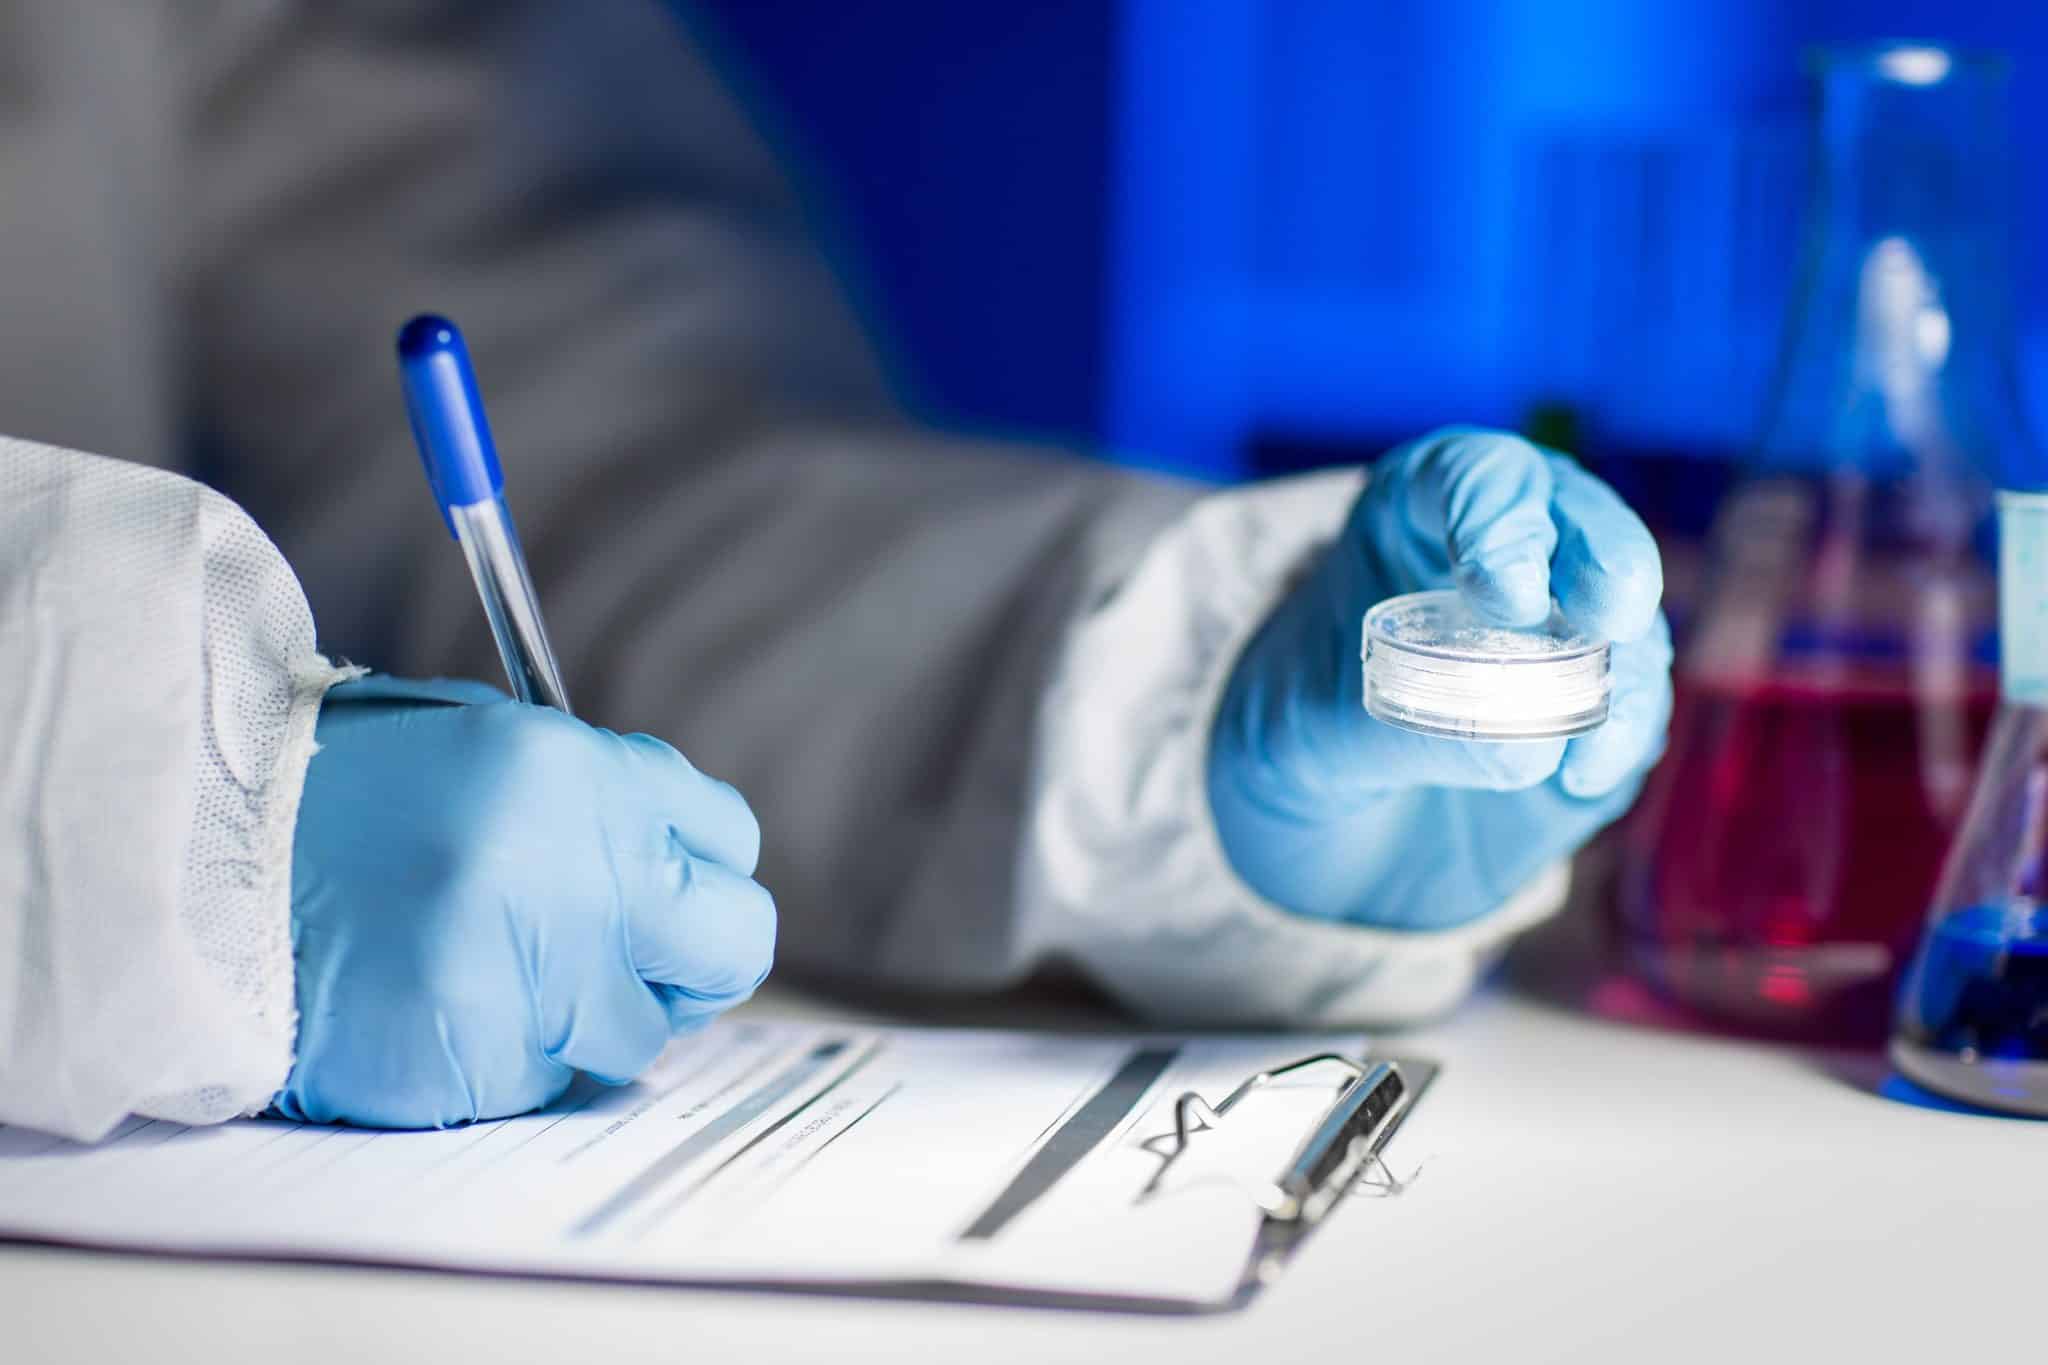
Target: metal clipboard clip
1344	1143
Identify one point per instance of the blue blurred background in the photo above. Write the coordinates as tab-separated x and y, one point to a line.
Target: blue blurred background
1233	237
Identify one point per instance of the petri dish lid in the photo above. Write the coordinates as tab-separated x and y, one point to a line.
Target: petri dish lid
1432	665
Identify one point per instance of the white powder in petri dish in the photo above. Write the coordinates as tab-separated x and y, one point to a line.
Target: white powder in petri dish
1433	667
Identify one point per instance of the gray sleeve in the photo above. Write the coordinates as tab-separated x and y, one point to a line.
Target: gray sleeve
741	545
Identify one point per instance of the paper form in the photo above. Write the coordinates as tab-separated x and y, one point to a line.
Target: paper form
751	1152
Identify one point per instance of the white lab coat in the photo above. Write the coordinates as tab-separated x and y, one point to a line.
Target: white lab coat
966	688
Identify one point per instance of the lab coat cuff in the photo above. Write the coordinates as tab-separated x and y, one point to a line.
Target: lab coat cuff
312	679
254	1063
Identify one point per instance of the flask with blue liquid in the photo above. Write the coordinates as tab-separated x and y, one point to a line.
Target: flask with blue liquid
1972	1019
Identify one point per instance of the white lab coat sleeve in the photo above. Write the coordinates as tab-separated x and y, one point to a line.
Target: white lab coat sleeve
1122	869
160	679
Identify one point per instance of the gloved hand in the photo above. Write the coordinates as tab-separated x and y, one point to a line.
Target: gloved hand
1331	813
489	897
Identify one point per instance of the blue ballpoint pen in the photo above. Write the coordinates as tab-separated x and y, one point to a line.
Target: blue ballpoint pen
454	438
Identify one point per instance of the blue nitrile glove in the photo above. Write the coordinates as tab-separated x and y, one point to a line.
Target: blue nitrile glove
489	897
1331	813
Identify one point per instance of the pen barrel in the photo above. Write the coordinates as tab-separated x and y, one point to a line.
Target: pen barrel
489	543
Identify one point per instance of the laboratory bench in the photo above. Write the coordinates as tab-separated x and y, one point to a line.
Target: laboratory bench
1580	1190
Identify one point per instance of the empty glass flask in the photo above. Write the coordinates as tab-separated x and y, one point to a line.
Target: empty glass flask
1838	675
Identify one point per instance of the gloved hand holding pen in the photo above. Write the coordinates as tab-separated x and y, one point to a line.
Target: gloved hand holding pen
488	897
1330	813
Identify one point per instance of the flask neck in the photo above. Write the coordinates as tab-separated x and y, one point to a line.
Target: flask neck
1899	357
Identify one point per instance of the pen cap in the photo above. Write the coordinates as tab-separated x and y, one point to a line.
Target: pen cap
447	413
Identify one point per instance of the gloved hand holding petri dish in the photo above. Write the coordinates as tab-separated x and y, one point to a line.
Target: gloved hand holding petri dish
1473	679
1434	666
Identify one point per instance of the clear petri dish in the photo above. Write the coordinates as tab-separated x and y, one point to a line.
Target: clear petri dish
1435	667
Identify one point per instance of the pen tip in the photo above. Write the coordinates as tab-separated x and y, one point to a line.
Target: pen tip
427	334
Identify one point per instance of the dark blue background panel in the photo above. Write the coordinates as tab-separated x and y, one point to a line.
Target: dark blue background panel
959	152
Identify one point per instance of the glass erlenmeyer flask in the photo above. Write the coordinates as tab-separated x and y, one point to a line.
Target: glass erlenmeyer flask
1836	680
1973	1010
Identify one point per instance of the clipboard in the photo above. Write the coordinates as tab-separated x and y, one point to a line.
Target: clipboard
748	1150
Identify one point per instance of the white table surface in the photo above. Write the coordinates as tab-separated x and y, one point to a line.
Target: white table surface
1589	1191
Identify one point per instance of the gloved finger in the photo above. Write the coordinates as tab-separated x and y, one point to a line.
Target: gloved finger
703	934
711	816
1487	496
379	687
1638	718
1606	574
